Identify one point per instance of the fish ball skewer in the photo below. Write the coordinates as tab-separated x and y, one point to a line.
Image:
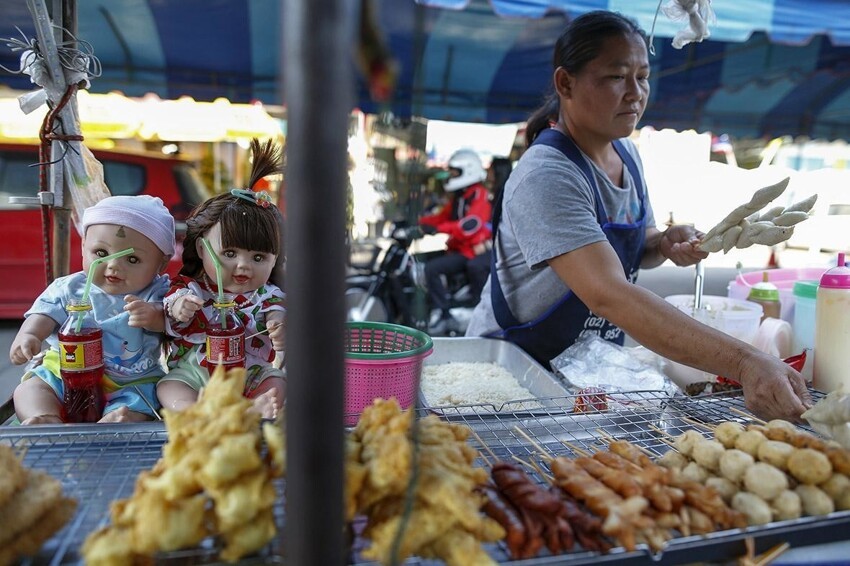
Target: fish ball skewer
775	453
734	463
673	460
749	442
765	481
835	486
814	500
723	486
694	472
753	507
727	432
707	454
685	442
787	505
809	466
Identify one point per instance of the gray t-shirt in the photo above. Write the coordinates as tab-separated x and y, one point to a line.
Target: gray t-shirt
549	209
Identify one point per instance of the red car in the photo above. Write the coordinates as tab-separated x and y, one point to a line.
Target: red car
174	180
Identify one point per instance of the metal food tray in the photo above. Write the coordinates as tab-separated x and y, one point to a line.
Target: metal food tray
98	464
546	389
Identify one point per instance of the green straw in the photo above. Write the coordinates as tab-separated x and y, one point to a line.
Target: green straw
221	297
90	277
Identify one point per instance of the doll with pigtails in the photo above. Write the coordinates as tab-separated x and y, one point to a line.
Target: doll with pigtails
245	231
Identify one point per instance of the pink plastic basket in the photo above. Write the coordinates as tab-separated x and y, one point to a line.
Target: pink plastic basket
382	361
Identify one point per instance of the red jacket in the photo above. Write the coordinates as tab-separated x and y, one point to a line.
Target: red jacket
466	219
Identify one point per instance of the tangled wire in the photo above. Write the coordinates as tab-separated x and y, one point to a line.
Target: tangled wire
80	59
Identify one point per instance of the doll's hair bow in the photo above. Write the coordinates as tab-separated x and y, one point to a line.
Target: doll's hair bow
260	198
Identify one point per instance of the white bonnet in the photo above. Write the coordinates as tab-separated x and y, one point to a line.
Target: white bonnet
143	213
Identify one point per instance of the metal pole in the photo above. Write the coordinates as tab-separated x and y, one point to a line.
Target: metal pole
318	91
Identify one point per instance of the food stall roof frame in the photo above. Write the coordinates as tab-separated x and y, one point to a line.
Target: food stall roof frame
770	67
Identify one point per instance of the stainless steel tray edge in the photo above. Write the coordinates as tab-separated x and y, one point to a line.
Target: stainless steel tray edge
528	372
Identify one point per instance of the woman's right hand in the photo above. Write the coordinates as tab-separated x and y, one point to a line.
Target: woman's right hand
772	388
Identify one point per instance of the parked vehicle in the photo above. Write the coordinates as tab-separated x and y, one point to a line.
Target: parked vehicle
174	180
389	285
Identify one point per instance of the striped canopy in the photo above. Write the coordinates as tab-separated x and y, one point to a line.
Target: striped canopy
771	67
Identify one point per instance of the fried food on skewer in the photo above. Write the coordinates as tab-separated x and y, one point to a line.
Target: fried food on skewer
211	480
445	520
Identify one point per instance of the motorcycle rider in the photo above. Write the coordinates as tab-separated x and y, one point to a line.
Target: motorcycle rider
465	218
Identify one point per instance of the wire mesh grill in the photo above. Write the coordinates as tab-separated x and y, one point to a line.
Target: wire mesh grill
98	464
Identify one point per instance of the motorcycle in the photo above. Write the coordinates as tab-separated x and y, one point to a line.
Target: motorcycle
390	285
390	288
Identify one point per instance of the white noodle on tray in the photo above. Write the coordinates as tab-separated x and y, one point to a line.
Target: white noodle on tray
472	383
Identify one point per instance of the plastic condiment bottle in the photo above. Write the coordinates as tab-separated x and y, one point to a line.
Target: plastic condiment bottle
832	329
767	295
225	338
81	365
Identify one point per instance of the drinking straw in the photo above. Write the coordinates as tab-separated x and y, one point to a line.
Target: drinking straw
218	281
90	277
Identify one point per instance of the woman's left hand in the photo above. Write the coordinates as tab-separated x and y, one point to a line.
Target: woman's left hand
678	244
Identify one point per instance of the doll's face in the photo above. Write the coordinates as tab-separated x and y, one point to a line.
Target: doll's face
242	271
127	274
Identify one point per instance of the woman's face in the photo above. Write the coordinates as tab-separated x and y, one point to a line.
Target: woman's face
608	97
242	271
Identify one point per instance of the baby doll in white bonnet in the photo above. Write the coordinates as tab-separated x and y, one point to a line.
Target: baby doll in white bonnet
126	298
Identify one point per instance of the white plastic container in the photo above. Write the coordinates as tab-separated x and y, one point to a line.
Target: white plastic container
737	318
805	297
832	329
784	280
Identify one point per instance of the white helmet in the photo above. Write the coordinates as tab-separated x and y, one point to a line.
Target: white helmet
471	171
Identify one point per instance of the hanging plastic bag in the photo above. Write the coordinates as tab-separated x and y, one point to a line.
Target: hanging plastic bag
85	185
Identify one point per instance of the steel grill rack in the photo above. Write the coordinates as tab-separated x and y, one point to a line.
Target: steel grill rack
98	464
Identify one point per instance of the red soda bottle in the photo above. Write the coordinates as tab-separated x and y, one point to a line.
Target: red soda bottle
81	365
225	337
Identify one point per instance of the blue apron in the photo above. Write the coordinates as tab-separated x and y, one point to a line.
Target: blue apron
564	322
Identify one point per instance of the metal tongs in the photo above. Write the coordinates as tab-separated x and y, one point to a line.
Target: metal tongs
699	281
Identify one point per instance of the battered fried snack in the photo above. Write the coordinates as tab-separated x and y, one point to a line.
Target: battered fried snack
445	519
24	508
30	514
211	480
12	475
29	542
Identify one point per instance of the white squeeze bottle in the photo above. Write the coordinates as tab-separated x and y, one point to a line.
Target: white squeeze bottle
832	329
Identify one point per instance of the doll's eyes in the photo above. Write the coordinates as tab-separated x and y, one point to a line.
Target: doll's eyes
229	254
259	258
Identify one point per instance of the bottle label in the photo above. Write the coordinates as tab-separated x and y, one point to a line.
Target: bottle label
81	356
226	349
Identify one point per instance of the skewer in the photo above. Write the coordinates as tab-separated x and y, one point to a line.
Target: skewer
664	434
540	449
539	469
576	449
607	436
747	415
148	403
486	448
268	329
698	424
772	554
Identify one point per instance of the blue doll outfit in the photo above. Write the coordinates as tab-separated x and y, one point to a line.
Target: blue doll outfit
131	356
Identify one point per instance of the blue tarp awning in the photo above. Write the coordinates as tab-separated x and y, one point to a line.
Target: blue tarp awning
771	67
